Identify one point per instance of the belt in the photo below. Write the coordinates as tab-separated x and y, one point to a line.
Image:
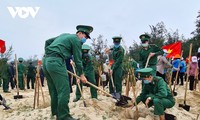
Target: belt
54	55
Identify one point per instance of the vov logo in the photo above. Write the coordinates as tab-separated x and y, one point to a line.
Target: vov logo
23	12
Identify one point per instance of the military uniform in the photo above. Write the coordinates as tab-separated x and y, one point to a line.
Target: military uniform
156	91
118	56
5	74
57	50
21	73
31	75
88	69
144	53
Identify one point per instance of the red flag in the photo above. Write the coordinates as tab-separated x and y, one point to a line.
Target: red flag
173	49
2	46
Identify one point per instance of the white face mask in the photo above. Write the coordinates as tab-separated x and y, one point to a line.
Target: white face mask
145	45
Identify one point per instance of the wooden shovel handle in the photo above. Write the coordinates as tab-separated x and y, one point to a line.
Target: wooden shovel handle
91	84
147	62
16	70
190	53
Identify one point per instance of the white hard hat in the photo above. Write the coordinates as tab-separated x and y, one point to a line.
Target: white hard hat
194	58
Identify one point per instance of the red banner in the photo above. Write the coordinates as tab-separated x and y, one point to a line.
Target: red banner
2	46
173	49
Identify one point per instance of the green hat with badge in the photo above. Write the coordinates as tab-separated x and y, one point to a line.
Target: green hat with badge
85	48
117	39
86	29
20	59
145	72
144	37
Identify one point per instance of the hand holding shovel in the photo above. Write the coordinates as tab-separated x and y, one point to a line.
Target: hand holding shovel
79	87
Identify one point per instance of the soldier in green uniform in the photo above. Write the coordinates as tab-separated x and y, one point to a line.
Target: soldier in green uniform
116	69
21	73
155	92
88	69
5	75
149	50
31	75
57	50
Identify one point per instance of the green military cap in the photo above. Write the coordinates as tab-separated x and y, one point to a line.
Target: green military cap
86	29
144	37
117	39
20	59
145	72
85	48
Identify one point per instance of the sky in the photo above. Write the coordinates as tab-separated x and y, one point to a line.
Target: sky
128	18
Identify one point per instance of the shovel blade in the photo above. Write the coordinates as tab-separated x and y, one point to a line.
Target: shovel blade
117	96
175	93
170	117
184	106
126	97
18	96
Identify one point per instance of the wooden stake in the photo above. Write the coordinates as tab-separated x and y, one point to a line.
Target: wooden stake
38	87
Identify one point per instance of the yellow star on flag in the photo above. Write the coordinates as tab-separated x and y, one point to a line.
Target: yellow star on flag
169	51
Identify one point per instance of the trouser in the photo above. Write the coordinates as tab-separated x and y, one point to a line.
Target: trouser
32	79
70	82
174	77
12	83
93	91
105	83
181	75
160	104
117	79
5	84
191	79
42	80
21	81
58	84
161	75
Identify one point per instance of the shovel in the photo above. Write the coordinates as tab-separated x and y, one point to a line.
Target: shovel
17	96
122	98
184	106
79	87
115	94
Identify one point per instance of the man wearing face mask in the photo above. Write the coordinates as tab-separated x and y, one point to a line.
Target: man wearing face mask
106	68
88	69
149	50
116	68
155	92
57	50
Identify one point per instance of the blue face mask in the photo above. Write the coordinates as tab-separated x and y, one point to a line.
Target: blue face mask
146	81
97	57
164	54
116	45
83	40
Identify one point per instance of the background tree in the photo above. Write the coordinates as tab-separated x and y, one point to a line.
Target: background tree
8	53
98	44
158	34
